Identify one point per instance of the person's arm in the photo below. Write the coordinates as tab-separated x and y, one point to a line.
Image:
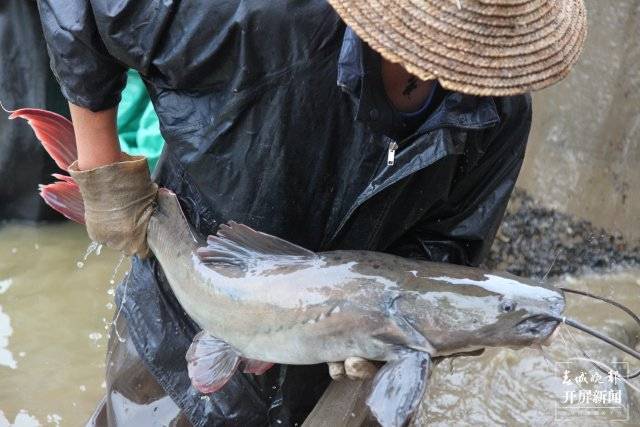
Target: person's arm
116	188
96	137
117	191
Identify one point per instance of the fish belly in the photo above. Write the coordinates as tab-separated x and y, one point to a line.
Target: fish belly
305	342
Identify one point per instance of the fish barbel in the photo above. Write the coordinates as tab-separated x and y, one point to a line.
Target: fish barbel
262	300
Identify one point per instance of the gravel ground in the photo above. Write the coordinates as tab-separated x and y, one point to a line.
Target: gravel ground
534	241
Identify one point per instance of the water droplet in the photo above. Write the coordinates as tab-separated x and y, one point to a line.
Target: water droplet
93	246
112	282
22	354
109	306
54	419
95	336
111	291
80	264
83	387
279	421
14	250
36	246
103	385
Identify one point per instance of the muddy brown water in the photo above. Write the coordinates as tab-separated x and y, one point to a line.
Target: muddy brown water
52	343
52	324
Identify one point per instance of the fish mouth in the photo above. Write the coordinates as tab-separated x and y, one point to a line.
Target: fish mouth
539	329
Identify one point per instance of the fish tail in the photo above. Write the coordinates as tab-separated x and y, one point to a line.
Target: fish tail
64	197
56	135
54	131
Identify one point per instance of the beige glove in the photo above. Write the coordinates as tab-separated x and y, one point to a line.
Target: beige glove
118	202
355	368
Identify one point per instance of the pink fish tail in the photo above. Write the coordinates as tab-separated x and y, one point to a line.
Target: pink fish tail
64	196
54	131
56	134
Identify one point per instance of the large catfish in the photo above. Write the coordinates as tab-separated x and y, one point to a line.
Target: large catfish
262	300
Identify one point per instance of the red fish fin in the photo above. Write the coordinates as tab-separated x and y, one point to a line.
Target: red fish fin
54	131
257	367
64	196
211	362
61	177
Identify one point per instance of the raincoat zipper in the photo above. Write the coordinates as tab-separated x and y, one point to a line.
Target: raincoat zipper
391	152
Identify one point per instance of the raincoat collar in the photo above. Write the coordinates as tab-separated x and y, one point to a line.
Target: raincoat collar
357	77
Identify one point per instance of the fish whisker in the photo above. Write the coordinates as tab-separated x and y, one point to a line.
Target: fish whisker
608	340
555	258
545	356
620	346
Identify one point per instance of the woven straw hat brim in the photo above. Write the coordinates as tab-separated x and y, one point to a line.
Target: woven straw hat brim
486	47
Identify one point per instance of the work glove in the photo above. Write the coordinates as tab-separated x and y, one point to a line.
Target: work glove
355	368
118	202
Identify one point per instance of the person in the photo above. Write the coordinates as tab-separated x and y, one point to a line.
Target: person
138	127
388	125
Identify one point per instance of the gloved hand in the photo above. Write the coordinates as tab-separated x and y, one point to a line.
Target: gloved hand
355	368
118	202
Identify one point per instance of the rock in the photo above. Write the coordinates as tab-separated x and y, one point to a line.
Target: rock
534	241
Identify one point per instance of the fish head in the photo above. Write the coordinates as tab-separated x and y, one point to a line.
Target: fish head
528	314
469	312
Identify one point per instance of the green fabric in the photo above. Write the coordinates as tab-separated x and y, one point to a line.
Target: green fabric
138	126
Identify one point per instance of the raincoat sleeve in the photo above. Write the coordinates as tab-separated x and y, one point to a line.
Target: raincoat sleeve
88	75
462	228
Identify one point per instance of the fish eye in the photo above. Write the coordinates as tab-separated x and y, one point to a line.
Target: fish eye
507	306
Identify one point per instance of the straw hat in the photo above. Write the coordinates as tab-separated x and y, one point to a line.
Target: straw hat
480	47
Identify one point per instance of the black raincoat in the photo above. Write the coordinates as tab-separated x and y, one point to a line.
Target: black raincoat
274	118
25	81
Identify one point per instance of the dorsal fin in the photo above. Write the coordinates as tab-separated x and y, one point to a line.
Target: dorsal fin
240	245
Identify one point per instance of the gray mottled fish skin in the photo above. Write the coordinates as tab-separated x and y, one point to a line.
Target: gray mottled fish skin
334	305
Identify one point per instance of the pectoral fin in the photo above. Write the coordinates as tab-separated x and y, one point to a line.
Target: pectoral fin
399	387
210	362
